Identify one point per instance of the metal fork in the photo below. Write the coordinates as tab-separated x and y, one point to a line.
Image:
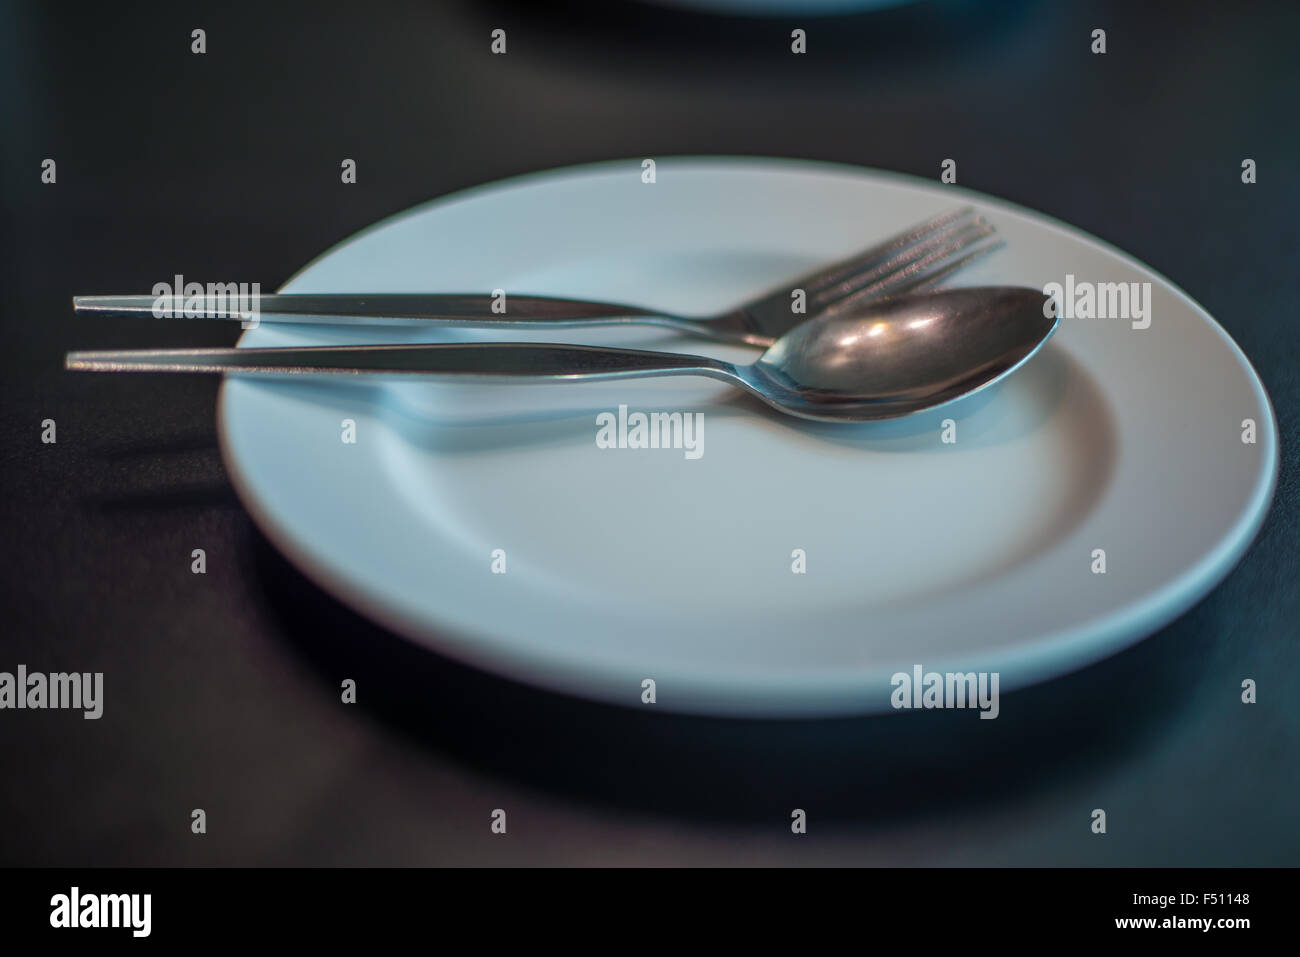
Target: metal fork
914	260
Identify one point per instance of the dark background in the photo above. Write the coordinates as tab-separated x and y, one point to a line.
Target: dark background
222	691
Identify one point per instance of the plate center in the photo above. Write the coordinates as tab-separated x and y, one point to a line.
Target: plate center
884	513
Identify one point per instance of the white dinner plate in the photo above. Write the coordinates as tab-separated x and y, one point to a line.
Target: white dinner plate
623	564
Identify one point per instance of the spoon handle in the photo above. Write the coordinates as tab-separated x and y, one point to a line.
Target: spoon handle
483	360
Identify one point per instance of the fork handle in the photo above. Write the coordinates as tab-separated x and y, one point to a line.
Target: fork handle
449	309
421	309
481	360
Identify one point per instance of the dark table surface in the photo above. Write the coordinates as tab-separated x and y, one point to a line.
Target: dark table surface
221	691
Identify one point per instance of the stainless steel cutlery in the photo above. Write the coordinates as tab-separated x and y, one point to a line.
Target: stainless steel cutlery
868	343
900	356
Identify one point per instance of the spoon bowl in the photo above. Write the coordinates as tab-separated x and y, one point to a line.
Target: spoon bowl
905	355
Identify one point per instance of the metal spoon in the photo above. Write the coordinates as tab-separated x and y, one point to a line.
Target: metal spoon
902	356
